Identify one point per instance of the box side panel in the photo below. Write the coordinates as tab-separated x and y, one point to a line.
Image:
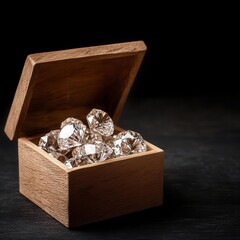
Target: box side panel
115	188
43	182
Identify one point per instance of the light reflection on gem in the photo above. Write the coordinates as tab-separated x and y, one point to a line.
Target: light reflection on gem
100	122
76	145
128	142
71	133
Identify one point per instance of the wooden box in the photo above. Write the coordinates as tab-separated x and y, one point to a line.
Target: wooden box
56	85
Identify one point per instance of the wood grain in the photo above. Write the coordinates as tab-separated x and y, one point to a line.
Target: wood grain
60	84
43	180
115	188
93	192
21	98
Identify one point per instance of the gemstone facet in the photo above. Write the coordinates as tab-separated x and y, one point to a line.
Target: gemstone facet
128	142
71	133
92	137
49	142
96	152
100	122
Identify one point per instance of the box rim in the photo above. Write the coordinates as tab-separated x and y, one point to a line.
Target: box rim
154	149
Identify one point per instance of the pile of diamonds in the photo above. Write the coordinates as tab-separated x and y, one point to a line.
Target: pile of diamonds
75	145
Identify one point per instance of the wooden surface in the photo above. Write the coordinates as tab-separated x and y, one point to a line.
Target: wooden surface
116	187
60	84
93	192
201	201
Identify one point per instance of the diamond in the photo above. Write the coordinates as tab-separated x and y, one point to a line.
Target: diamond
92	137
71	133
48	142
96	152
128	142
100	122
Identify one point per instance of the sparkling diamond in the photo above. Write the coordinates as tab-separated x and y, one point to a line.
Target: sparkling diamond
71	163
92	137
128	142
100	122
49	141
94	152
71	133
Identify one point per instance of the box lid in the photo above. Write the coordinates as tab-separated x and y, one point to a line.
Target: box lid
69	83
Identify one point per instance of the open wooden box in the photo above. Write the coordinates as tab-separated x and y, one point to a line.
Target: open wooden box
69	83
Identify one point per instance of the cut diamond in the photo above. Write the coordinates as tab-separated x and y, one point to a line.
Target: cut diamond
93	152
92	137
49	141
71	133
100	122
128	142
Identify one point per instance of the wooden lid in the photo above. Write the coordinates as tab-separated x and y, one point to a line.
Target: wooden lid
69	83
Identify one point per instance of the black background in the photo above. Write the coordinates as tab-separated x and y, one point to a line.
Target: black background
187	89
191	51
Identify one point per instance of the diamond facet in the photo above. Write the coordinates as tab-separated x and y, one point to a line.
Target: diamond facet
94	152
92	137
48	142
128	142
71	133
100	122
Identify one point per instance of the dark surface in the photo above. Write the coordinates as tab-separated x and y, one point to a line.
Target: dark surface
200	136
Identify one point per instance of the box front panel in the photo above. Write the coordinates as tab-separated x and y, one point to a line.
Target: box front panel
42	181
115	188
